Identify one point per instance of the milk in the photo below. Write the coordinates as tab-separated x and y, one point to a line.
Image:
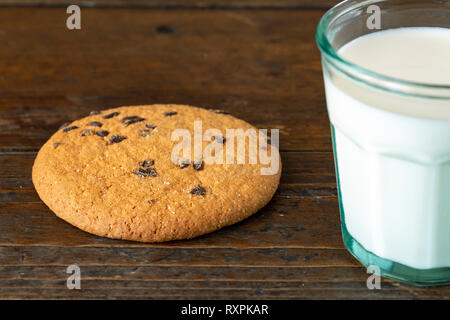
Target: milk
393	150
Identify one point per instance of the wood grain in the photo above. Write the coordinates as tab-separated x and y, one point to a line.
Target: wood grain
302	222
118	58
261	64
224	4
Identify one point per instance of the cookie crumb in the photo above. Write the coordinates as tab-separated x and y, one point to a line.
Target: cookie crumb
170	209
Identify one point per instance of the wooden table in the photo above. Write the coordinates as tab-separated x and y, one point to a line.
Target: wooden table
257	59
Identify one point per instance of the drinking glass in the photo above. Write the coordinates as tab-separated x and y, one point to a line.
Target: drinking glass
392	158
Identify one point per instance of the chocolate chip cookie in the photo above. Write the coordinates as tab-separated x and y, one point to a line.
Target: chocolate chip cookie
117	173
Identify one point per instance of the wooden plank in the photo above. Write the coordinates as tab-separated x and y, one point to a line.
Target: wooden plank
33	128
233	294
191	284
171	256
188	273
51	75
301	223
228	4
303	213
205	282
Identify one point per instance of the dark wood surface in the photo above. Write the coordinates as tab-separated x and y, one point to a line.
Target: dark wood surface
261	64
223	4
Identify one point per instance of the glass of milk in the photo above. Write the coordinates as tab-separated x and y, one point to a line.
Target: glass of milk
386	68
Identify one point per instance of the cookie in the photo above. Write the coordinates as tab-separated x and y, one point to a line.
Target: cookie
123	173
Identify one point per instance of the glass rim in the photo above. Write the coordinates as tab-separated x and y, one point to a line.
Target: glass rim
399	85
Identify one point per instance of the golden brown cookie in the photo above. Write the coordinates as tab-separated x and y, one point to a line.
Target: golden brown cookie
113	174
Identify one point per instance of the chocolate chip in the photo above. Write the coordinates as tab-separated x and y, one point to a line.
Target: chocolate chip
198	165
95	124
111	115
150	201
115	138
170	113
102	133
198	191
65	125
93	113
145	172
57	144
184	164
132	119
220	139
144	133
147	163
87	132
218	111
150	126
67	129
